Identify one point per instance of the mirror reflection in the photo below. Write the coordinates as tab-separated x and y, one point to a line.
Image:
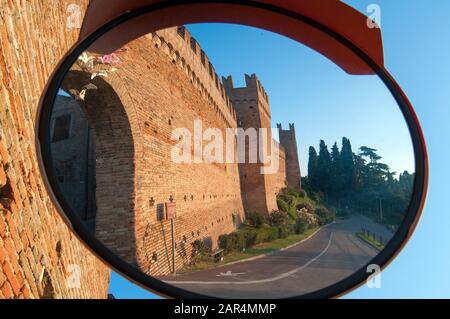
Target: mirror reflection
231	161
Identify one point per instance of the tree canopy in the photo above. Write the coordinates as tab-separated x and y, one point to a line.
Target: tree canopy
360	182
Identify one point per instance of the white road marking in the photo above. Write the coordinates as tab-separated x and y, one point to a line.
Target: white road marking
229	273
281	276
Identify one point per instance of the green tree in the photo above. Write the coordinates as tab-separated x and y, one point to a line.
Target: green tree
376	172
360	182
324	167
312	168
348	164
337	179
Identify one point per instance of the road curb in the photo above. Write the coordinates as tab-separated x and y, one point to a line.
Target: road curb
367	242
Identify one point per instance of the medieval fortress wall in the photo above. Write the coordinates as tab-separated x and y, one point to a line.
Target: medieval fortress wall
147	98
39	257
165	81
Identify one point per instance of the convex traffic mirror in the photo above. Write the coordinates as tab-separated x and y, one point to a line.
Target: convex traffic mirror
229	161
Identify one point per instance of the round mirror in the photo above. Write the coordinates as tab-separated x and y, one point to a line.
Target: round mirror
227	161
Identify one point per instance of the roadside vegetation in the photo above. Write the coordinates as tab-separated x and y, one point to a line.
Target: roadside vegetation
371	239
358	183
298	217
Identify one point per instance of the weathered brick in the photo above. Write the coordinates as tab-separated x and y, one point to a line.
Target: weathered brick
20	278
8	270
2	224
7	291
10	250
12	229
26	292
2	253
3	178
33	38
4	155
2	278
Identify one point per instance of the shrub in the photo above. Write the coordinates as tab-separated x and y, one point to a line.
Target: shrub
288	196
292	213
266	234
301	226
226	243
302	194
307	206
324	215
200	251
284	231
278	218
316	196
232	242
256	219
249	237
282	205
308	218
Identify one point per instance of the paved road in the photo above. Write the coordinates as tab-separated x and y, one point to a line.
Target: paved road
330	255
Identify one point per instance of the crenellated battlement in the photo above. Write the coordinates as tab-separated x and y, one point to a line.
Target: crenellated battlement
185	52
252	81
253	90
290	131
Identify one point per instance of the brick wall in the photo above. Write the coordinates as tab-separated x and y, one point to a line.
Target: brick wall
165	81
253	111
289	141
73	155
37	252
280	177
133	112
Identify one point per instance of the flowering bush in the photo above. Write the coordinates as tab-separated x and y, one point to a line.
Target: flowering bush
307	217
278	218
306	206
109	59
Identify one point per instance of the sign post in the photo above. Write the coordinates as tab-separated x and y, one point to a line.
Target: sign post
171	213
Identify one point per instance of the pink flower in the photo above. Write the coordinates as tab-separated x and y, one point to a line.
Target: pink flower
110	59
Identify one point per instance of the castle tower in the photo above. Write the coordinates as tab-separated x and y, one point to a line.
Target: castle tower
253	111
289	142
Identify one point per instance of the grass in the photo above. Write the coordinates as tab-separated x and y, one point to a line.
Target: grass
369	239
257	250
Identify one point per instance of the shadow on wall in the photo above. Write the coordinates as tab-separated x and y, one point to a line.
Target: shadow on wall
114	162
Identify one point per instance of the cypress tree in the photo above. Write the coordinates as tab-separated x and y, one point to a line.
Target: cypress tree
312	167
336	178
324	167
348	164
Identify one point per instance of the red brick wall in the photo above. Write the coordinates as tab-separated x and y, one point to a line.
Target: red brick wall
289	141
38	254
280	178
158	86
163	82
206	195
253	111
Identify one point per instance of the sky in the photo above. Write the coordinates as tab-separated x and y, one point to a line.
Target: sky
310	91
416	46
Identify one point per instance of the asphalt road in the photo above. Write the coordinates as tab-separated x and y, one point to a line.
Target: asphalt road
329	256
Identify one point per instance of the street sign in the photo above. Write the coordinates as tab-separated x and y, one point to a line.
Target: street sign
171	211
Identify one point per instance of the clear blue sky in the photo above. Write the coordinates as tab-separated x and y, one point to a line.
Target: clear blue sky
416	46
310	91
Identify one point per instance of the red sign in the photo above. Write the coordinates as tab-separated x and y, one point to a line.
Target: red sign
171	211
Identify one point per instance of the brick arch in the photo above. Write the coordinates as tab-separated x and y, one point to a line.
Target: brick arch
116	134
